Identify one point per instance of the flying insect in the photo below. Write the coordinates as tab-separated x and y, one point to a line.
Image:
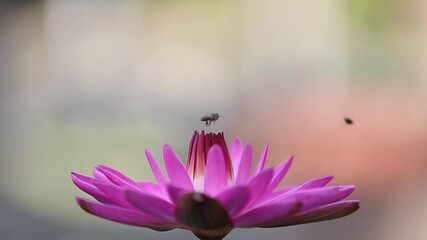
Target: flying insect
348	120
210	118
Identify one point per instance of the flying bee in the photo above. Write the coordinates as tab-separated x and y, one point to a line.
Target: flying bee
210	118
348	120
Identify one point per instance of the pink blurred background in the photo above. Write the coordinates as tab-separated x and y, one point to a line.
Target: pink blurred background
95	82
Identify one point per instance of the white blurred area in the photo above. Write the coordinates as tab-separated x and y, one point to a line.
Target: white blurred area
95	82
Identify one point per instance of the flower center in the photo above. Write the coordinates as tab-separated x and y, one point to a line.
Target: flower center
205	216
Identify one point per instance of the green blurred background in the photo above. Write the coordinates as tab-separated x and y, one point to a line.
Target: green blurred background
95	82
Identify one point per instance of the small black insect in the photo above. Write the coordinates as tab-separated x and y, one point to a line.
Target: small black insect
348	120
210	118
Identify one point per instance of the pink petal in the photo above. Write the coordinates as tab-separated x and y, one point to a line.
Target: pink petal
234	199
114	193
175	170
268	213
155	167
151	205
280	173
236	154
152	189
324	213
85	183
258	184
279	193
122	215
99	175
245	165
117	177
320	196
196	161
315	183
216	172
261	162
271	196
175	193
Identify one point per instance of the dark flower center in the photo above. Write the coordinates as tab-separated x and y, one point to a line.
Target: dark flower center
205	216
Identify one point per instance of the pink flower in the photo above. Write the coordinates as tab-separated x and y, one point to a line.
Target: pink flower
215	193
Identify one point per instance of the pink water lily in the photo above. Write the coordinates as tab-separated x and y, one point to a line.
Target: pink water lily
214	193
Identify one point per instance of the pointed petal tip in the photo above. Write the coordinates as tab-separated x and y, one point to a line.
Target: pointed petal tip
247	147
167	147
147	153
327	178
80	199
348	189
316	183
102	167
290	161
175	170
261	162
236	145
82	202
76	175
357	205
73	174
158	174
355	202
281	171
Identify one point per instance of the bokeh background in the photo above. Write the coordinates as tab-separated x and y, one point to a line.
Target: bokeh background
95	82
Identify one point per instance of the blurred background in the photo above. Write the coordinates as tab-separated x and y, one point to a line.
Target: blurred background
95	82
